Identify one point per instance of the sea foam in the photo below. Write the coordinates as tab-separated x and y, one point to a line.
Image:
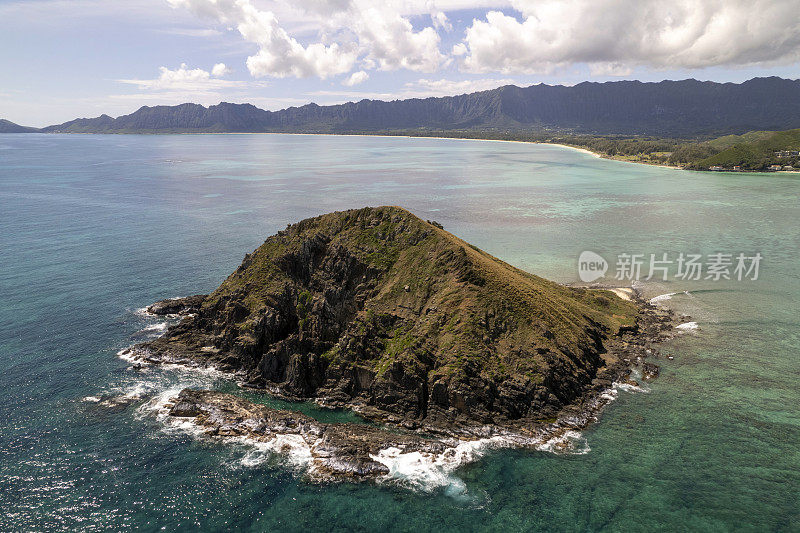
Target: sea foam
667	296
662	297
415	470
157	327
427	472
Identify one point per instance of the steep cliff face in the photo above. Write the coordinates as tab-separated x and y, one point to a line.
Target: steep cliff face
379	310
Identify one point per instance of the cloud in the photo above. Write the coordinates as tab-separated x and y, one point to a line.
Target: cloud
46	11
206	87
552	34
355	78
422	88
390	40
220	70
445	87
612	37
350	31
610	69
460	49
186	79
279	54
440	20
191	32
181	97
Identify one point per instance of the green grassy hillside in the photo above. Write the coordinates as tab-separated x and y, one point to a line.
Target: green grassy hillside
447	295
756	151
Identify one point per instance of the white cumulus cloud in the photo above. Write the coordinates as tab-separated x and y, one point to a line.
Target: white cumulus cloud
445	87
326	38
612	35
355	78
422	88
390	40
375	34
220	70
183	78
279	54
610	69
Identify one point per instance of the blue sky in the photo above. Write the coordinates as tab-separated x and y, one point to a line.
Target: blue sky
63	59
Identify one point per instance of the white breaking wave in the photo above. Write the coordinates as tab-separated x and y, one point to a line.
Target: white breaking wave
291	446
662	297
157	327
667	296
209	371
415	470
126	354
139	390
572	442
142	311
635	384
428	472
420	471
688	326
160	404
629	387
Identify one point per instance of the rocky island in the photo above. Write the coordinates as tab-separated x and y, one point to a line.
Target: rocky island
429	338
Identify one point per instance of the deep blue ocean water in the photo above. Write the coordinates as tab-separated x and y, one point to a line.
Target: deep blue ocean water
94	227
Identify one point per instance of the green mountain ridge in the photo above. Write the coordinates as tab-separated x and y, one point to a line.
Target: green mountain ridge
677	109
7	126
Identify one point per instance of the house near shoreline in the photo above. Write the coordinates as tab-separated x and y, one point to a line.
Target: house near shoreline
738	168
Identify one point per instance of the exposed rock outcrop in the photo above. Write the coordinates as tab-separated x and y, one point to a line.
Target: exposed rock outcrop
177	306
333	450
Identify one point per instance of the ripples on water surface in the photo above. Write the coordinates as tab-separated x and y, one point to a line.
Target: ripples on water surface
93	228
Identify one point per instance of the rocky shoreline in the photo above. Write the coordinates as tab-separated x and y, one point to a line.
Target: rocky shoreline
440	346
357	452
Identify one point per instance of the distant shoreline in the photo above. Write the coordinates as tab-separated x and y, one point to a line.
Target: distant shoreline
581	149
587	151
577	148
438	137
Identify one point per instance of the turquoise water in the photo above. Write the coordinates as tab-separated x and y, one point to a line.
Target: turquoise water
93	228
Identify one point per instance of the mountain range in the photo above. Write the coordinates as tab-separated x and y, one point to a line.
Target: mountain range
687	108
7	126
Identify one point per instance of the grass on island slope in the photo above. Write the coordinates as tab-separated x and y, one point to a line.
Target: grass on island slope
437	302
